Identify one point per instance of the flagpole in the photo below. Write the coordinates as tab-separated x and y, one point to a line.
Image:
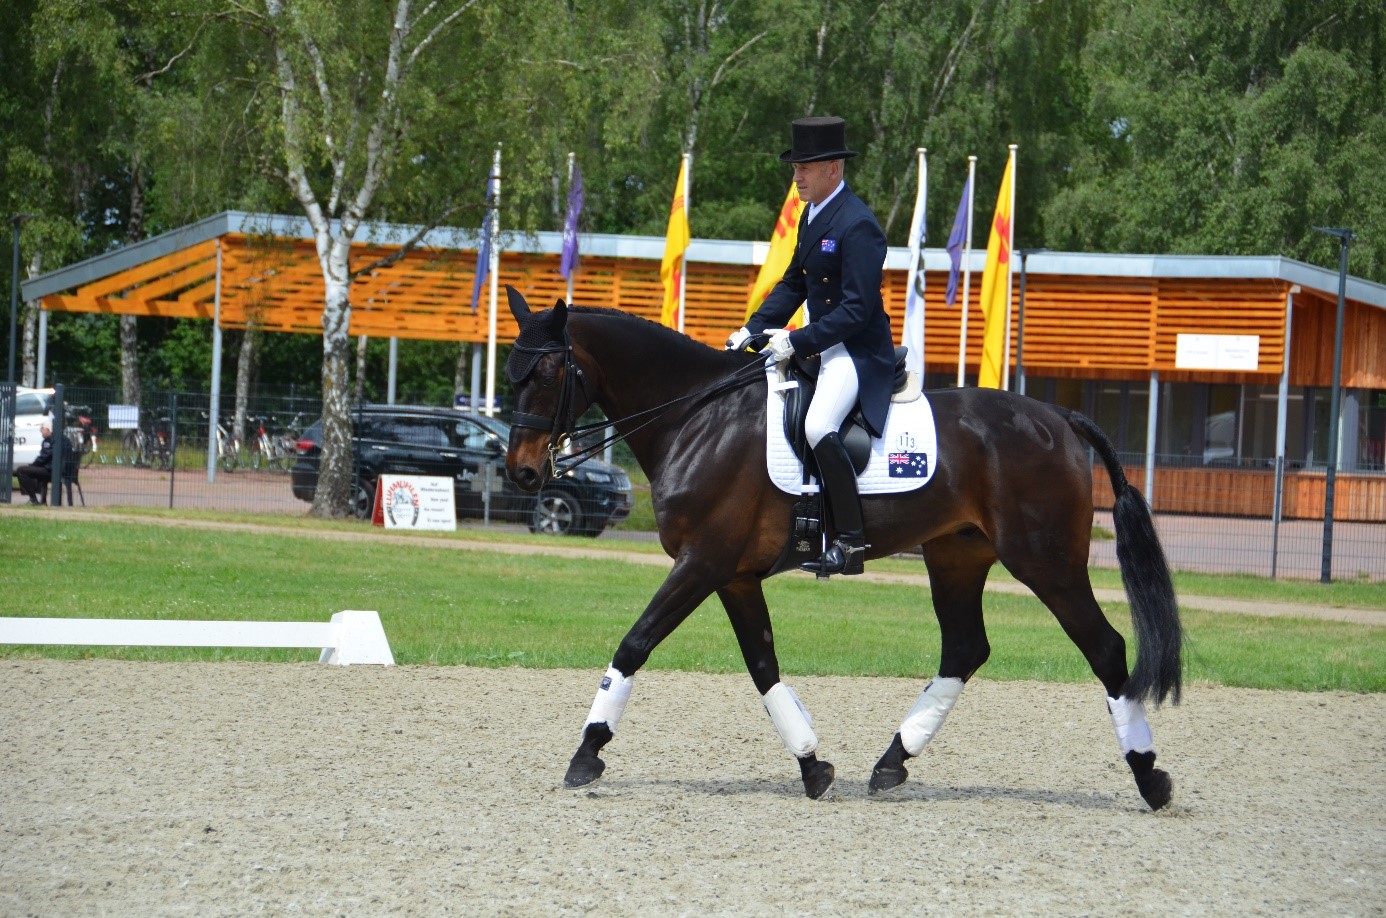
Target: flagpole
967	271
494	268
572	159
1010	253
683	258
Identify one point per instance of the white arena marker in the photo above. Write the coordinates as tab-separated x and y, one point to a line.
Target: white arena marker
351	637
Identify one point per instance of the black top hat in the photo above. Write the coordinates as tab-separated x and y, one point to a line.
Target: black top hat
818	139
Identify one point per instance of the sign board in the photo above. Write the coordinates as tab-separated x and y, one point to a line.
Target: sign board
414	502
123	417
1217	352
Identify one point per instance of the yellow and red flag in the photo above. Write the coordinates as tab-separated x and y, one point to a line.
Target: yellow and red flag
675	245
782	242
996	285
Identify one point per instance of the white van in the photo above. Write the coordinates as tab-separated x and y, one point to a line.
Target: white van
31	408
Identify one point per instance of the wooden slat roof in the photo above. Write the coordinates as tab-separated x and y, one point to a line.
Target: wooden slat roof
1085	315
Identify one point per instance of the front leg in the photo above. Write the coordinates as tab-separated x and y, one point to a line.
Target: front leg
750	617
682	592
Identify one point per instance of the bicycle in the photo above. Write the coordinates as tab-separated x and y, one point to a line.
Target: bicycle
84	434
150	448
269	451
228	447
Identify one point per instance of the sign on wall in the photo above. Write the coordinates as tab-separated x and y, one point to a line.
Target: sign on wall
1217	352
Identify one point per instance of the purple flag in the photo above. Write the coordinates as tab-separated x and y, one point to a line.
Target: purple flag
955	244
488	229
569	263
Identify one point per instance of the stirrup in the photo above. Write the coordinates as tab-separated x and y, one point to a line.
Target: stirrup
840	558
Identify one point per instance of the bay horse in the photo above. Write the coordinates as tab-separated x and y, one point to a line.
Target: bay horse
1013	485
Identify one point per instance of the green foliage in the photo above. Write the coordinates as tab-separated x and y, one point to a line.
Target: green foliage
1142	125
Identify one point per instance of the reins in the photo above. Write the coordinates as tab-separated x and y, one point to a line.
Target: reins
737	379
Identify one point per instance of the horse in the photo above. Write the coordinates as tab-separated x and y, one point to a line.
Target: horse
1014	486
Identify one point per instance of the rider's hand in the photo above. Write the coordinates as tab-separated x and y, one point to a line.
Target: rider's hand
738	339
780	345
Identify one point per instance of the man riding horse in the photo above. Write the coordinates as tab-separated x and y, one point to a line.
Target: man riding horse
836	274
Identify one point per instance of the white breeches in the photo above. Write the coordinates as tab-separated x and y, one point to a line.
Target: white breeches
834	396
611	699
1132	729
929	712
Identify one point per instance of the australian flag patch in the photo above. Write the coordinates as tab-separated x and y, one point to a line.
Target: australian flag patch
909	465
828	245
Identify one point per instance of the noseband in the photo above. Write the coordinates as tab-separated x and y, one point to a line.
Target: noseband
560	424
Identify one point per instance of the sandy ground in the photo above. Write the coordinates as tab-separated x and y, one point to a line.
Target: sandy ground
243	789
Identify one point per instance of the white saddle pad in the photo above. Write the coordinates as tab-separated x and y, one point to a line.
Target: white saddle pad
903	460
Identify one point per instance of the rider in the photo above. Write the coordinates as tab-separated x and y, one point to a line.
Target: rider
836	267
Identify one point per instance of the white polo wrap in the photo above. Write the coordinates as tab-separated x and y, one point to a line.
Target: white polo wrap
792	720
929	712
611	699
1132	730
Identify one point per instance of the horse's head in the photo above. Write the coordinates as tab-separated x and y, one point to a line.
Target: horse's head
548	393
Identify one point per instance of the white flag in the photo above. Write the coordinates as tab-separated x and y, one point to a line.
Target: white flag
913	335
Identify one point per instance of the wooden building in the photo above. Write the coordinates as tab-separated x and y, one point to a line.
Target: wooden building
1209	372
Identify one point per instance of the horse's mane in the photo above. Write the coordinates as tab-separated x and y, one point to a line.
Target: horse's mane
665	336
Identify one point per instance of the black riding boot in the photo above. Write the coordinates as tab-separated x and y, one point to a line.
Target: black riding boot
847	554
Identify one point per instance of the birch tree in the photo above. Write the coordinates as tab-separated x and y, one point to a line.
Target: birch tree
343	73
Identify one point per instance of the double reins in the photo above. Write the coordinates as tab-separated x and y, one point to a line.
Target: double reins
559	441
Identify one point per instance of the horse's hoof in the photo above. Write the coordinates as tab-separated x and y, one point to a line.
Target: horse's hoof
582	771
890	771
884	779
818	776
1156	788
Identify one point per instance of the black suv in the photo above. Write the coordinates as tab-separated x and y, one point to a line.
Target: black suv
445	442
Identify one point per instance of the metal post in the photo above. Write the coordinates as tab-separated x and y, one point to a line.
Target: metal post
1345	237
59	428
16	220
1020	331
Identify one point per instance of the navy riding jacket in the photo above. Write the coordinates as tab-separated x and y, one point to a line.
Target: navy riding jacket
837	268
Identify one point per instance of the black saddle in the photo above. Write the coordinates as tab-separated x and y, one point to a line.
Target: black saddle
855	436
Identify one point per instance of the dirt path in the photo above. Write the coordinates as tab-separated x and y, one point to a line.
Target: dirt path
568	548
236	789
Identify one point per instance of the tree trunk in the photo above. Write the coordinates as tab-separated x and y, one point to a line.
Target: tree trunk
28	368
335	471
129	332
360	388
245	373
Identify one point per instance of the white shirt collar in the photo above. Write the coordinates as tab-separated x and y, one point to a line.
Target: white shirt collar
815	208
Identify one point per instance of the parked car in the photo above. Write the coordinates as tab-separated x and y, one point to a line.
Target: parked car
413	440
31	408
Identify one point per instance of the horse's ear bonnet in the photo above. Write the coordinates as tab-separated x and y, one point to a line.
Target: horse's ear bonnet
540	333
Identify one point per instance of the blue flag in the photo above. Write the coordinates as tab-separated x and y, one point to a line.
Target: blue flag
569	263
488	229
955	244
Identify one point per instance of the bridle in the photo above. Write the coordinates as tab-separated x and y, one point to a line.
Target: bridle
560	427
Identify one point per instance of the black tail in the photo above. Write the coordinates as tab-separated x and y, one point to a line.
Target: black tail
1149	590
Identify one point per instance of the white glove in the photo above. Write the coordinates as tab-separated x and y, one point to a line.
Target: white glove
780	346
738	339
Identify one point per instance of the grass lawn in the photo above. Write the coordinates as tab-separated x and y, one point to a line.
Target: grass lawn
489	608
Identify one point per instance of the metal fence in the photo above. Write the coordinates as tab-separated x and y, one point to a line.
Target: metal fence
1242	518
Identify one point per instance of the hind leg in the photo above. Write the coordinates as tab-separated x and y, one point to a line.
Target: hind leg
958	566
750	618
1069	596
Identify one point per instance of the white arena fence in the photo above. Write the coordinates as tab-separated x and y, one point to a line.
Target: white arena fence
351	637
